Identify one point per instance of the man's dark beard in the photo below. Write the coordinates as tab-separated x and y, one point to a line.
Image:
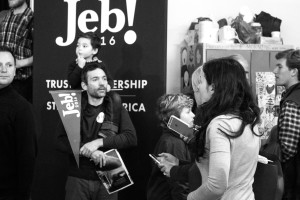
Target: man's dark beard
95	95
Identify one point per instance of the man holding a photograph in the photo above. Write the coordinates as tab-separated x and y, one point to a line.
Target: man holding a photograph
96	136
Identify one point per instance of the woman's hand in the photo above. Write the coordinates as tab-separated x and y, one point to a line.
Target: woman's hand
165	167
168	157
167	161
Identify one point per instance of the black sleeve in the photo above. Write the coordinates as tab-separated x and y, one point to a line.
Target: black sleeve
113	105
180	172
126	136
74	75
26	143
188	173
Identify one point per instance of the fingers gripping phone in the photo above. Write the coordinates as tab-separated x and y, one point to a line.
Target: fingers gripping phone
180	126
154	159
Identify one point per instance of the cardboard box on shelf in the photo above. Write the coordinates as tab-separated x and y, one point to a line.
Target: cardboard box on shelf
271	40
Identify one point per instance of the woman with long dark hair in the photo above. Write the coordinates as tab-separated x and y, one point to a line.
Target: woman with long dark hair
227	145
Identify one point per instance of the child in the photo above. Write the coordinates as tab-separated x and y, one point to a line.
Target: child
88	46
159	186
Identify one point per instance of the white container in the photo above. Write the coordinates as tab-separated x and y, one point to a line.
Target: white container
275	34
227	34
207	33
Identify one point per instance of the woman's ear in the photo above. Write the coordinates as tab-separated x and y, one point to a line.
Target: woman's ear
212	87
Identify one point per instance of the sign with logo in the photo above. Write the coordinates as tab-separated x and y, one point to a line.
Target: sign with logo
69	108
133	40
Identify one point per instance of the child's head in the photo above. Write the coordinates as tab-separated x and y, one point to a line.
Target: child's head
178	105
88	45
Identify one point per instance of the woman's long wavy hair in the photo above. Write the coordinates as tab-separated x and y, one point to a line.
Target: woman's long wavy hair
232	95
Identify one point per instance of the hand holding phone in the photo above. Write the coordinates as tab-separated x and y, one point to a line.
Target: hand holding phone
154	159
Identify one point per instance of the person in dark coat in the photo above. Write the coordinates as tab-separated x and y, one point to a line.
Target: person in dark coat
159	186
17	135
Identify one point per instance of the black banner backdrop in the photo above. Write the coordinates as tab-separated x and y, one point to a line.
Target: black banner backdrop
133	36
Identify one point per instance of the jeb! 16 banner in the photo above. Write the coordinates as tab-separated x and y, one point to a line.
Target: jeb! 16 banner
68	104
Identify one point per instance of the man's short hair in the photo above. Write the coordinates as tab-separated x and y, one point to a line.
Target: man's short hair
283	54
91	67
6	49
292	57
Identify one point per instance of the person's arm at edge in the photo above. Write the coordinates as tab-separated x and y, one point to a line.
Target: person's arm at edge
289	136
26	143
26	62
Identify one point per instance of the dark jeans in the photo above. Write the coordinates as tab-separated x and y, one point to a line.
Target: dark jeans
24	88
7	198
81	189
13	197
291	173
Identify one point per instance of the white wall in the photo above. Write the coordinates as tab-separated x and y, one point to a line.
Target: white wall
32	4
182	12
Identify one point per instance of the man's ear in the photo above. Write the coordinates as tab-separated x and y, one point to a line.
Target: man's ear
295	72
14	73
84	86
108	88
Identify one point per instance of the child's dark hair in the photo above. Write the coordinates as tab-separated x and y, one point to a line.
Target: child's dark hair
95	39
